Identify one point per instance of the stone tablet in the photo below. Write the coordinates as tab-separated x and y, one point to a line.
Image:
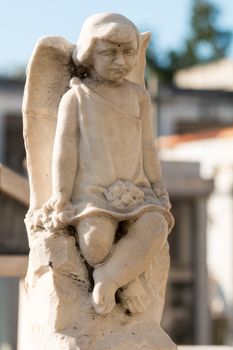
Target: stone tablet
99	213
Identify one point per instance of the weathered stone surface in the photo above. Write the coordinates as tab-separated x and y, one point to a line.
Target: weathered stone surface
62	316
99	212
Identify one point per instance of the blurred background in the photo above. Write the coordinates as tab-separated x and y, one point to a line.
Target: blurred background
189	75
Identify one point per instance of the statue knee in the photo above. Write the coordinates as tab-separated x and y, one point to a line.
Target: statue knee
156	227
160	227
97	246
95	243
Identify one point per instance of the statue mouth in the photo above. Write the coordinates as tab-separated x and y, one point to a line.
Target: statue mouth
118	71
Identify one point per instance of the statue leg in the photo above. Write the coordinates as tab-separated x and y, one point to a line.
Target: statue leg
134	297
96	235
131	257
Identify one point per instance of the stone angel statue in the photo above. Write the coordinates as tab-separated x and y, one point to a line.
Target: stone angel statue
99	213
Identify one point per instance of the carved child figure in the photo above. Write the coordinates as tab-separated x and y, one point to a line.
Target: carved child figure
105	169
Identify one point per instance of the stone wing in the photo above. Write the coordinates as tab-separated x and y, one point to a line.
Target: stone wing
48	76
137	75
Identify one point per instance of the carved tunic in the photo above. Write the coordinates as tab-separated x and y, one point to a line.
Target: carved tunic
110	178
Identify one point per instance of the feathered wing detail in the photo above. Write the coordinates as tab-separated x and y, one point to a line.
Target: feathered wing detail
137	74
48	77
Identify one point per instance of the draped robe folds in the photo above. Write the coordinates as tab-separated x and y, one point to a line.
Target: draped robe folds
110	162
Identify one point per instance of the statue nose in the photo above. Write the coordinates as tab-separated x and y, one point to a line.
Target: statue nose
119	59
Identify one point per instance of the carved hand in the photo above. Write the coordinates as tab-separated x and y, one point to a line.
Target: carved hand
57	212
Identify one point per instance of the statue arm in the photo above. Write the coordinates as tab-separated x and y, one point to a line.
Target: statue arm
151	162
65	152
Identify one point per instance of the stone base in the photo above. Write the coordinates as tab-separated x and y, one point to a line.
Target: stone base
121	338
62	317
209	347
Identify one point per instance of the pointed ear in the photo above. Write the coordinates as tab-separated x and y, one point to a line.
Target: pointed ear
144	40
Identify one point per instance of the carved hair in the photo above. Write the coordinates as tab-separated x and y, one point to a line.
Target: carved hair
100	26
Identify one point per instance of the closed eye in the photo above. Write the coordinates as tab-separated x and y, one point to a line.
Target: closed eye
129	52
107	52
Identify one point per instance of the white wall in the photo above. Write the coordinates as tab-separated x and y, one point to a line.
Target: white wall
216	159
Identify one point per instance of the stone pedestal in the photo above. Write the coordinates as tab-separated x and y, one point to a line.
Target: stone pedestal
62	317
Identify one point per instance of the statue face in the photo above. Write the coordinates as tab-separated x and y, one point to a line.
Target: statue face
113	61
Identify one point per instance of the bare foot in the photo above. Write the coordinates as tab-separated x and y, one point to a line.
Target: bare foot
134	297
103	296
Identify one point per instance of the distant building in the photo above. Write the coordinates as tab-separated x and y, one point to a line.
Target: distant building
12	150
217	75
182	111
13	193
14	197
195	119
213	150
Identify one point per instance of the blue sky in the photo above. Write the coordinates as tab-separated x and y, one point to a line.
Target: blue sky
24	21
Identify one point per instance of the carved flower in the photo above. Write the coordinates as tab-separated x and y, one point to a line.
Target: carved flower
123	194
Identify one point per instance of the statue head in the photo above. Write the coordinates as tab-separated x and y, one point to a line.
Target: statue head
108	27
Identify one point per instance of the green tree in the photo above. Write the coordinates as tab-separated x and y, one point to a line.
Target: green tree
206	42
